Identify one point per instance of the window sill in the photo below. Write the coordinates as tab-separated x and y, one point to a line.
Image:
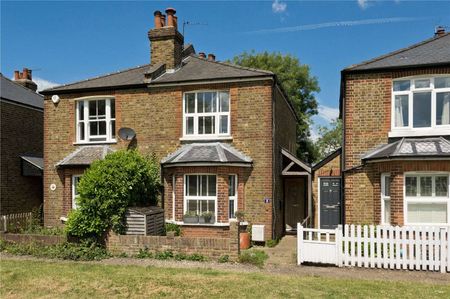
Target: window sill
419	132
217	224
205	138
95	142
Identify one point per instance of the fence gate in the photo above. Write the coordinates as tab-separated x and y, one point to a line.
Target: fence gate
413	248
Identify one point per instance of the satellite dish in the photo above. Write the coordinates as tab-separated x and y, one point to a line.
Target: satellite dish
126	134
55	99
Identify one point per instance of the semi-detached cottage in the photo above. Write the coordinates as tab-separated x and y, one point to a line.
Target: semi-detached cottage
223	134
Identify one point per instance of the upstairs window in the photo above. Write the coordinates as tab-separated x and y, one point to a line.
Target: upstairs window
96	120
421	103
206	114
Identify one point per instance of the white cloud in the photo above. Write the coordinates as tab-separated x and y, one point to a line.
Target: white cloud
338	24
314	134
327	113
363	3
44	84
278	6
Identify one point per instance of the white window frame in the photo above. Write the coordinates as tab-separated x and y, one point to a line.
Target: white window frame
410	130
384	197
217	114
425	199
205	198
235	197
86	121
74	196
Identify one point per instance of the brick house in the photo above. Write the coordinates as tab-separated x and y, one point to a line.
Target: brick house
21	163
396	150
223	134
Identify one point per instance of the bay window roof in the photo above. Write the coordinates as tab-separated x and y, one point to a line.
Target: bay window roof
85	155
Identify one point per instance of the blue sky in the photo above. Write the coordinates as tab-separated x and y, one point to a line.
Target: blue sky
64	41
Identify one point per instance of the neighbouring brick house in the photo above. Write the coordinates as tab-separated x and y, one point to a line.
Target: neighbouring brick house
223	134
396	150
22	124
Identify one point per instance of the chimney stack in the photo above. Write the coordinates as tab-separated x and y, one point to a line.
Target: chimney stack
211	57
439	31
166	43
202	55
25	79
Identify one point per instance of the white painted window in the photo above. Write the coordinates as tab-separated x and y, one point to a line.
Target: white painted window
200	194
206	114
427	198
75	194
232	195
96	120
385	198
421	106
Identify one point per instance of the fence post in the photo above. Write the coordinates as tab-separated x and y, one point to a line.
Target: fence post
338	239
5	227
299	243
443	244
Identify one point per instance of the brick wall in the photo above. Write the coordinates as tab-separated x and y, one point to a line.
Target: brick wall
29	239
330	169
21	133
367	122
166	45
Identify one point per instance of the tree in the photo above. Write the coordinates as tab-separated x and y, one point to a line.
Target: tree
299	85
330	138
108	188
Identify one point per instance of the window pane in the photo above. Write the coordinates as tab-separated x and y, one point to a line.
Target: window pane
204	185
422	109
113	108
442	82
207	123
92	108
210	102
81	131
212	185
190	103
190	125
443	108
422	83
387	186
411	186
401	111
441	186
401	85
223	125
93	128
101	108
102	127
426	186
211	206
192	206
387	211
200	102
201	125
231	185
76	180
427	213
81	110
224	102
191	188
231	209
113	129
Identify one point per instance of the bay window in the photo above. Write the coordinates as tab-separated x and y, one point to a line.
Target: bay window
232	195
420	103
385	198
75	193
95	120
206	114
427	198
200	195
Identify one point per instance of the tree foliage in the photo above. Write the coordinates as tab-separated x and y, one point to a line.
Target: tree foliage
108	187
330	138
299	85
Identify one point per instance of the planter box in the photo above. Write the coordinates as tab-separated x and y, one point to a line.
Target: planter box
190	219
211	220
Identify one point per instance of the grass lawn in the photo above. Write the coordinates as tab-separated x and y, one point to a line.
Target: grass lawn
31	279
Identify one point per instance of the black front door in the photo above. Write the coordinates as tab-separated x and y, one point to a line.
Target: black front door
330	202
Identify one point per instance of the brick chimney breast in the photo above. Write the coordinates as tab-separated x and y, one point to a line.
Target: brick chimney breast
25	79
166	43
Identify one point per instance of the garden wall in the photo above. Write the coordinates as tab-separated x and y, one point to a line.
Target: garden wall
28	238
207	246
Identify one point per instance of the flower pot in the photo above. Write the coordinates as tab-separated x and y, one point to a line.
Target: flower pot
206	220
244	240
190	219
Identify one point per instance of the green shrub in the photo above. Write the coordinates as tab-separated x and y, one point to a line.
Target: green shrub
40	230
108	187
144	253
164	255
172	227
224	258
253	257
272	243
196	257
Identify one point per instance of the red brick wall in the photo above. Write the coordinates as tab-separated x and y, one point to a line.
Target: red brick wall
367	122
21	133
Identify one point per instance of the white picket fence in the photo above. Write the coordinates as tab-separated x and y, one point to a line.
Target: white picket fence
15	221
388	247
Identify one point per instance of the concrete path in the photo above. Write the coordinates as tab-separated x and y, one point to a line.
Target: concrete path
284	253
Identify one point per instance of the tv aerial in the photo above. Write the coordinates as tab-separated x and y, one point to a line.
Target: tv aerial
190	23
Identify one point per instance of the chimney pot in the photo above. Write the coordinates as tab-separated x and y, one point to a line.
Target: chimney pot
16	75
157	15
439	31
202	55
211	57
170	16
26	74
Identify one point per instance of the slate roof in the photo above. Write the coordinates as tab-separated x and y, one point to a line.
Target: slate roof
432	51
85	155
36	161
211	153
17	93
193	69
436	147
